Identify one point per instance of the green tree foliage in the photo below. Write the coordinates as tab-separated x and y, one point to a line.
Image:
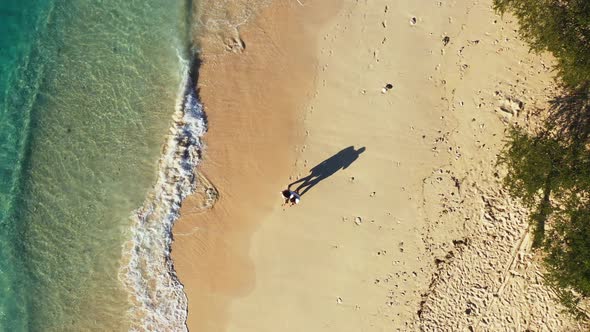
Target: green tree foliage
568	259
534	165
569	254
550	171
561	27
551	175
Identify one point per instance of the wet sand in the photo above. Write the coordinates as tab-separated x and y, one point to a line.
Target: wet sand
254	99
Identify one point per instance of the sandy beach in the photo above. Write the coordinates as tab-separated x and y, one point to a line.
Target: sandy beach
406	227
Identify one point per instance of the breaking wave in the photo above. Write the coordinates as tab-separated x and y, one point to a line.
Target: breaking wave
159	302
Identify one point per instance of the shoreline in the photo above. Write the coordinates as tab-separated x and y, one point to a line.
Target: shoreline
249	154
147	270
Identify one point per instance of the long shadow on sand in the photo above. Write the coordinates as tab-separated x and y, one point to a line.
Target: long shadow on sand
327	168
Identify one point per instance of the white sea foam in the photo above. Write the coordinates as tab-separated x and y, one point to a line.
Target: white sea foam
159	302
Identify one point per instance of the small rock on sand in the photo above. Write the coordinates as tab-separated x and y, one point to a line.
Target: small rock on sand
387	87
358	220
446	40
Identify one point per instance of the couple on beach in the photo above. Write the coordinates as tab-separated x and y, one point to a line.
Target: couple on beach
321	171
291	197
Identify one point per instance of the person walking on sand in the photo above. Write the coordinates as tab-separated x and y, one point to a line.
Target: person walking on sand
291	197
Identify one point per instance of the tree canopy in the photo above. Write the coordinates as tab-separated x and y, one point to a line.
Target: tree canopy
561	27
550	170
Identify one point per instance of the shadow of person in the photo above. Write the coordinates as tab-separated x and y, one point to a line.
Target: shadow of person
326	168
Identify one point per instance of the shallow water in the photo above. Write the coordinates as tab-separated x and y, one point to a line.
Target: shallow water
88	92
219	21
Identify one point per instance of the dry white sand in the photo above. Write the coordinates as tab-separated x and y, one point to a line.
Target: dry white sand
416	233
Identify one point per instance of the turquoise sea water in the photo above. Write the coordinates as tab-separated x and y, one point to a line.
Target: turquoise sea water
88	89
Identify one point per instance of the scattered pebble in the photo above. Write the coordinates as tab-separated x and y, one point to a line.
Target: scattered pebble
358	220
387	87
339	300
446	40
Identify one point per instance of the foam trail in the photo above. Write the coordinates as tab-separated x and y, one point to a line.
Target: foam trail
159	302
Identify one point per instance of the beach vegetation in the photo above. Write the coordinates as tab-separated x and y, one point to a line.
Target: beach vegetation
560	27
550	173
549	170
